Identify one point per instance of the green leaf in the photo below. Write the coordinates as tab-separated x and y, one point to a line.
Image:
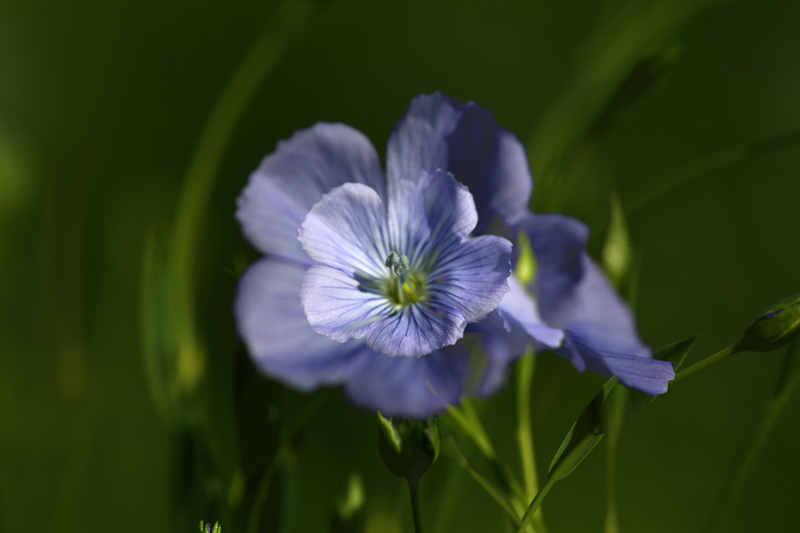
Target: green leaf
583	436
590	427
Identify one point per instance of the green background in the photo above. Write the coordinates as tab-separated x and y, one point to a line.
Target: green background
102	105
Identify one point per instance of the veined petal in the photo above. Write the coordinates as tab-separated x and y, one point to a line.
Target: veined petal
346	229
492	163
339	306
272	325
471	276
417	330
407	386
294	177
429	216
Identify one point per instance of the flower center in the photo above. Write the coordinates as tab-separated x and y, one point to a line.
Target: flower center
403	287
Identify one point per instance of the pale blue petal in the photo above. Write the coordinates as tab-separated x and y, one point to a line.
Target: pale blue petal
407	386
417	330
293	178
430	216
408	229
471	276
346	229
339	306
277	334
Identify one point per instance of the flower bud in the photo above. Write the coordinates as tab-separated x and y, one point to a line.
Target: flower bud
774	327
407	447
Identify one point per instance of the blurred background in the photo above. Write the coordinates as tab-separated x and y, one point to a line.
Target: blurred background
127	129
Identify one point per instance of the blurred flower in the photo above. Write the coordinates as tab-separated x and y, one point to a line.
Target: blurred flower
386	268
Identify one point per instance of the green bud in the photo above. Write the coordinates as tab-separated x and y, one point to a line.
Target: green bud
408	448
774	327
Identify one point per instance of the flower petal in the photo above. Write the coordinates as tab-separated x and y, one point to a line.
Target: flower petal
346	229
501	346
558	243
636	372
517	308
277	334
417	330
339	306
418	140
492	163
407	386
294	177
435	213
600	317
440	132
471	276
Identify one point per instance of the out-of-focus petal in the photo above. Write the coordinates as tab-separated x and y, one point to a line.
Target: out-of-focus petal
600	317
492	163
277	334
292	179
518	309
558	243
418	140
410	386
636	372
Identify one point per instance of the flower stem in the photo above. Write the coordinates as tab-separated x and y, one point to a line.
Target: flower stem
413	488
708	361
525	369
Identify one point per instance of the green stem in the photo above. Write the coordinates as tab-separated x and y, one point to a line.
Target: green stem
525	369
775	407
708	361
413	488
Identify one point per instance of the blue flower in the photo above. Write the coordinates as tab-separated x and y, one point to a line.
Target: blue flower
368	282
